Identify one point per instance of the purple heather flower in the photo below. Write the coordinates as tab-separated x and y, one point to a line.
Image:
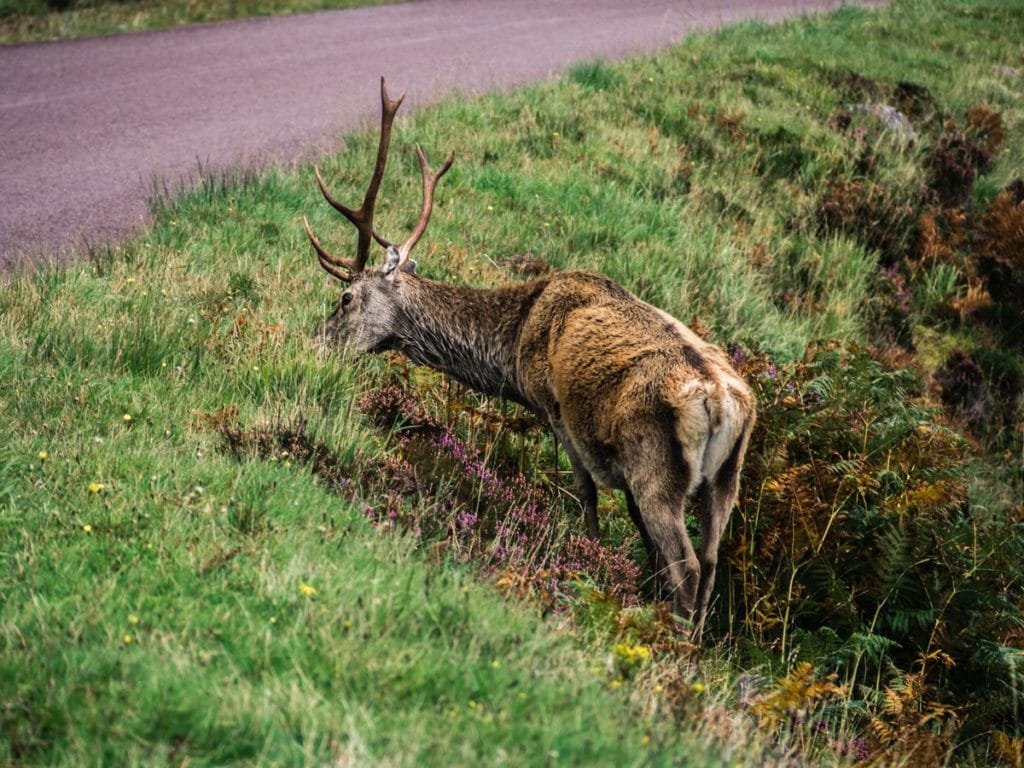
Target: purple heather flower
739	357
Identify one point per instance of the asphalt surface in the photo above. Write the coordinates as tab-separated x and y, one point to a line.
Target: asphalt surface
88	128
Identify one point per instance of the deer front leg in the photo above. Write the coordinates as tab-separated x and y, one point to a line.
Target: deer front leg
584	484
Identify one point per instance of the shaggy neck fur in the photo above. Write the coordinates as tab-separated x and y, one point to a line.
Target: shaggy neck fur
468	333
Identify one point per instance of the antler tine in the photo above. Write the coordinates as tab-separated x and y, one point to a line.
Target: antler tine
429	183
347	212
327	261
362	217
382	241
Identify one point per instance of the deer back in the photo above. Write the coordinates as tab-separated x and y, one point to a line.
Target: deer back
608	368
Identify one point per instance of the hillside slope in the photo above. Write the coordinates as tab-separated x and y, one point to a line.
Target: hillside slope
222	546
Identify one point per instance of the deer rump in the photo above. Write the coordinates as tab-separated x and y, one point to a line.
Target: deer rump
640	402
605	367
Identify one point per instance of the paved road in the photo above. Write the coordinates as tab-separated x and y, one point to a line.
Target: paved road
87	126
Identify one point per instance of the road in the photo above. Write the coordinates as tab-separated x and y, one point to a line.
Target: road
87	127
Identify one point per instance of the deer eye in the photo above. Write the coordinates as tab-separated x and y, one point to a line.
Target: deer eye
346	299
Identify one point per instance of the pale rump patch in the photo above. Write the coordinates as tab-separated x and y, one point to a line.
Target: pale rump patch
732	419
693	423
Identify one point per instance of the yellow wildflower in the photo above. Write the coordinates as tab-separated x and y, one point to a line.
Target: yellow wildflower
306	590
87	528
42	455
127	639
698	688
96	487
632	654
133	619
127	418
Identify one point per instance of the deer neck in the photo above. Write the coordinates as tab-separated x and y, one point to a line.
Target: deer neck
470	334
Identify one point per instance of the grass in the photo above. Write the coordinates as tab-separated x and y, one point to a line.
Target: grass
24	21
170	600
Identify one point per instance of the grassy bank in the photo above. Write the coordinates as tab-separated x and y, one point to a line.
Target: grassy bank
222	545
24	21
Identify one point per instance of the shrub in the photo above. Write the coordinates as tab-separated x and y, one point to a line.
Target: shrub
1001	248
857	543
870	212
956	161
983	390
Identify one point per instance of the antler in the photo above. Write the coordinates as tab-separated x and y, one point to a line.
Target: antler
429	183
361	217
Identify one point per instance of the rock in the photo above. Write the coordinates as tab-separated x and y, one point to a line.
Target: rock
1004	71
891	117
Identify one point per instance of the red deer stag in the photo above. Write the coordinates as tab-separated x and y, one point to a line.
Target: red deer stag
639	401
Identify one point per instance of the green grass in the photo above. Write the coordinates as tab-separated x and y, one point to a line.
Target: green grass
24	21
155	604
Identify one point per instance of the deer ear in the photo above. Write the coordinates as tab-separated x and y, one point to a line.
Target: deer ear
409	265
391	261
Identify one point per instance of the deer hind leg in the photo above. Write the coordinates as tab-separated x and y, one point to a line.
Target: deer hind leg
660	497
715	507
656	563
717	497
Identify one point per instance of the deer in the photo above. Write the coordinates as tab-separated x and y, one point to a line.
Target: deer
640	403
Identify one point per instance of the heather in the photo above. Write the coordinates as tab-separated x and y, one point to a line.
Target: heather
223	544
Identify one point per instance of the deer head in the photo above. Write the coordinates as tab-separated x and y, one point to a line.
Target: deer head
369	310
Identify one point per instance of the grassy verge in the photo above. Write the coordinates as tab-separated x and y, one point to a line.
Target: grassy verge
24	21
221	545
